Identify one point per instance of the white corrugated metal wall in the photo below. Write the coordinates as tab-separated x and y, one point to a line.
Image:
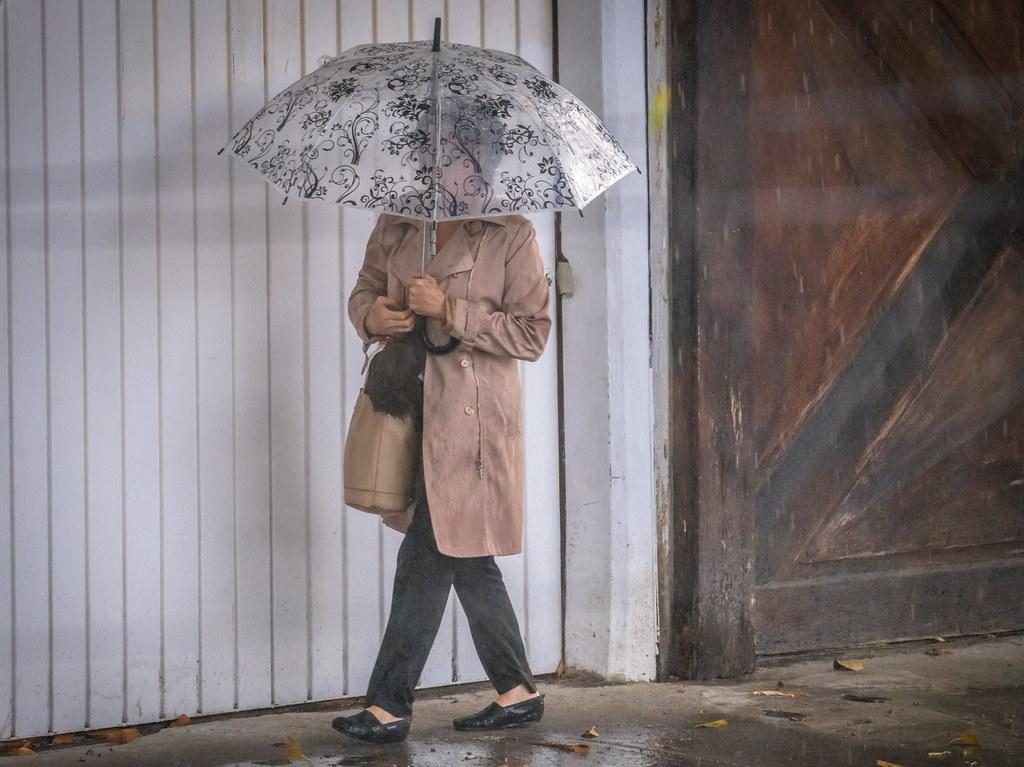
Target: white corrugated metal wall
177	371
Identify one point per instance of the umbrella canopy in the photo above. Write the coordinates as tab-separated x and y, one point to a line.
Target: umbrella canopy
386	126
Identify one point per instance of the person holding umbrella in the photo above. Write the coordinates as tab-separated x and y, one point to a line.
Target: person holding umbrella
487	288
451	143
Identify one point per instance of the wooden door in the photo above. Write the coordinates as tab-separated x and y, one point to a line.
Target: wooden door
888	279
859	422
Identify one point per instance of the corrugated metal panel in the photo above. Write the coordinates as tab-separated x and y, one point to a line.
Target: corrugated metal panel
176	371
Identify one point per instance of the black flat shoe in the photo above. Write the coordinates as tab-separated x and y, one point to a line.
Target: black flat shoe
496	717
365	726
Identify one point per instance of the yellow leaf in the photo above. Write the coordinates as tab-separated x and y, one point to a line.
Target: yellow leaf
591	733
966	738
939	754
293	751
782	693
573	748
659	108
847	665
883	763
64	739
121	735
22	751
182	721
716	723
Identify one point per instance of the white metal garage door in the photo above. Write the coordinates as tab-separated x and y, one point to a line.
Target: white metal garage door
177	371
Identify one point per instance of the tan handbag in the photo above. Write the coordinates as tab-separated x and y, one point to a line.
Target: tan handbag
382	454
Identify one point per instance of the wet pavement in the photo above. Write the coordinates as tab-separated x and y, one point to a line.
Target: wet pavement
905	707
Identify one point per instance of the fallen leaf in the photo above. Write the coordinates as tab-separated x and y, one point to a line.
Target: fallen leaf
591	733
182	721
939	754
121	735
966	738
658	111
793	716
715	723
939	639
572	748
864	698
883	763
782	693
847	665
293	751
21	751
64	739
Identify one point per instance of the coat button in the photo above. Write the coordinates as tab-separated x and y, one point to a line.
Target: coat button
464	362
470	410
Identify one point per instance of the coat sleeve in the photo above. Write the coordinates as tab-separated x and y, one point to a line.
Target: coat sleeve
520	329
371	282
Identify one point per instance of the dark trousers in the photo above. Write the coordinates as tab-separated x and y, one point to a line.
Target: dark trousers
423	580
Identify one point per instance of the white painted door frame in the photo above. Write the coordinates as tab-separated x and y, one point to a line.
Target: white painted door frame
611	616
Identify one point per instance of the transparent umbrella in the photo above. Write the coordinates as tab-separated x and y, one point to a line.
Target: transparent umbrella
434	131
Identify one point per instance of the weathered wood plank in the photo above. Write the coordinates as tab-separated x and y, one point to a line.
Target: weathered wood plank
849	190
964	386
721	629
933	69
909	604
678	517
820	468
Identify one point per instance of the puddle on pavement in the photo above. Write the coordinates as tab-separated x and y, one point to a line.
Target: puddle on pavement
492	754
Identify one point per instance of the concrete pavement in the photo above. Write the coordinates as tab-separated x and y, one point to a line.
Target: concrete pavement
905	707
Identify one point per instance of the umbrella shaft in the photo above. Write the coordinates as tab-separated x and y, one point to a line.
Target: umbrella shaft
435	93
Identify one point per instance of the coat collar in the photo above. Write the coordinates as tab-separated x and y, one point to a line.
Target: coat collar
457	255
472	225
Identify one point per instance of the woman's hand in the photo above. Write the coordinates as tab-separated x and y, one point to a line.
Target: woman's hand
385	319
426	298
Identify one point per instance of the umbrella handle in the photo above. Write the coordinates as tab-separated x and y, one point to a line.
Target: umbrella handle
421	326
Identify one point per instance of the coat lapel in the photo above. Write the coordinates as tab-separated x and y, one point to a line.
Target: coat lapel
456	256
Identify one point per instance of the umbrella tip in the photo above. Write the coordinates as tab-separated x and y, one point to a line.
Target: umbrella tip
437	33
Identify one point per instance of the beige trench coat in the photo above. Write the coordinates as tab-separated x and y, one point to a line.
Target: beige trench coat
492	273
